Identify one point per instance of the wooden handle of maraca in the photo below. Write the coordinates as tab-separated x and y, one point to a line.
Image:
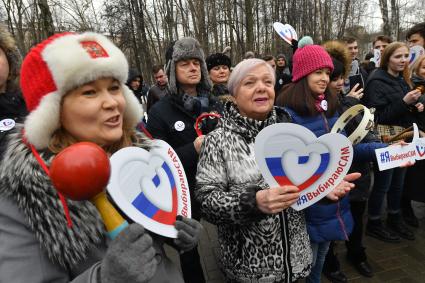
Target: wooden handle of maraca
113	221
81	172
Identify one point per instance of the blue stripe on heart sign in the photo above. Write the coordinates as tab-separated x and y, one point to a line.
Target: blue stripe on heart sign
276	169
143	204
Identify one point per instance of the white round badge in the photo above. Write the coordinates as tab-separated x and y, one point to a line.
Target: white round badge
324	105
7	124
179	126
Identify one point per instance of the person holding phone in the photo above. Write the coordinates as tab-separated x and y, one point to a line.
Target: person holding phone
388	90
356	75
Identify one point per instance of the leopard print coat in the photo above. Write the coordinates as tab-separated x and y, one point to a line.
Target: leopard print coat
254	247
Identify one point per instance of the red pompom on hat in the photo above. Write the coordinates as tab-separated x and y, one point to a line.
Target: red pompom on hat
309	58
61	63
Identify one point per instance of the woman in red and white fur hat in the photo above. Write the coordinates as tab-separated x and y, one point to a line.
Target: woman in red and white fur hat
73	85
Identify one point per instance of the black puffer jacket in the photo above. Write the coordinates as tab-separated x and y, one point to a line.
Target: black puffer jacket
385	93
12	106
170	121
361	193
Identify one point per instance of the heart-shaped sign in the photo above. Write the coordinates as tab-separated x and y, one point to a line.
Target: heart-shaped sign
290	154
150	187
415	52
377	57
286	32
420	149
419	143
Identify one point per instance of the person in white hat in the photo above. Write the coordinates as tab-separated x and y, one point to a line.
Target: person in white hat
73	85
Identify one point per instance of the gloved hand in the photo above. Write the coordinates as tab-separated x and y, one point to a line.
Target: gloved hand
189	231
130	257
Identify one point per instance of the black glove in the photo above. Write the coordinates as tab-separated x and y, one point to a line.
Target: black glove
294	44
130	257
188	233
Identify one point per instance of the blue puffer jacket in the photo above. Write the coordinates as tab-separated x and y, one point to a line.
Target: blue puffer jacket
326	220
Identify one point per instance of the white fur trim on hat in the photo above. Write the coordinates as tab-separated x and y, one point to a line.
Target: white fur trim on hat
133	110
71	65
41	123
45	120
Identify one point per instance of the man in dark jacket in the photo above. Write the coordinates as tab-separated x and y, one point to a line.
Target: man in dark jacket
173	119
137	86
357	75
283	74
416	35
159	90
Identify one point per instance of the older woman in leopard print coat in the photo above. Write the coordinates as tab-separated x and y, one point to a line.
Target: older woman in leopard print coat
262	239
259	241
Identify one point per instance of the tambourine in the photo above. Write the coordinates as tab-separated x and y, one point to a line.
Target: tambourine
202	117
365	125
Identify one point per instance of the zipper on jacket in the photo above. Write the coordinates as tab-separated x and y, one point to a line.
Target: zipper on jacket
284	230
341	222
338	212
325	122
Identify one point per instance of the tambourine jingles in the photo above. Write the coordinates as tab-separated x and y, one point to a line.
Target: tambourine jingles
202	117
365	125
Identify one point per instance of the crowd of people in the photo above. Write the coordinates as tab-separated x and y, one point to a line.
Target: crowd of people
78	87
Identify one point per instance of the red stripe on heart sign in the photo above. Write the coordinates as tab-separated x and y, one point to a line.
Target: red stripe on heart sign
166	217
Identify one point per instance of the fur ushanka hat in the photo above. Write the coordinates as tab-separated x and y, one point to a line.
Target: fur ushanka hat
218	59
61	63
184	49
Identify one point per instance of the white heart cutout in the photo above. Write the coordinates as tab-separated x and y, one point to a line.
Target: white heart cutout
283	153
298	172
160	196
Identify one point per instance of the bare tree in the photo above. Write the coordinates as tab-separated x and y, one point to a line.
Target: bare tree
143	29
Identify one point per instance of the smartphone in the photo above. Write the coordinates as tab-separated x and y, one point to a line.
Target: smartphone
356	79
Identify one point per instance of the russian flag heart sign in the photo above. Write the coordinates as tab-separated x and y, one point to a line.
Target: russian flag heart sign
150	187
286	32
290	154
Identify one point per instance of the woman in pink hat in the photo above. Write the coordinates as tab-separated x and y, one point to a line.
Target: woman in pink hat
311	105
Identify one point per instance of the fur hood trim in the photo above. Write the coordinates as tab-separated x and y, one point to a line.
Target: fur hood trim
338	51
23	181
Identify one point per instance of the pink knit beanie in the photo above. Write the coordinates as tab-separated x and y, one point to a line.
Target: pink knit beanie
309	58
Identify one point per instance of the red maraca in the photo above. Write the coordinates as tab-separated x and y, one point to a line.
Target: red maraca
81	172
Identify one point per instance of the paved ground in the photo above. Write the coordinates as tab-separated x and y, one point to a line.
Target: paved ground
404	262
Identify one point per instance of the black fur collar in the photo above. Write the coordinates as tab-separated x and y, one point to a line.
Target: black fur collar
24	182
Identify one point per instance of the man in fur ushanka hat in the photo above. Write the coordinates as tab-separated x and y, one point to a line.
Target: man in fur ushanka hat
173	119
